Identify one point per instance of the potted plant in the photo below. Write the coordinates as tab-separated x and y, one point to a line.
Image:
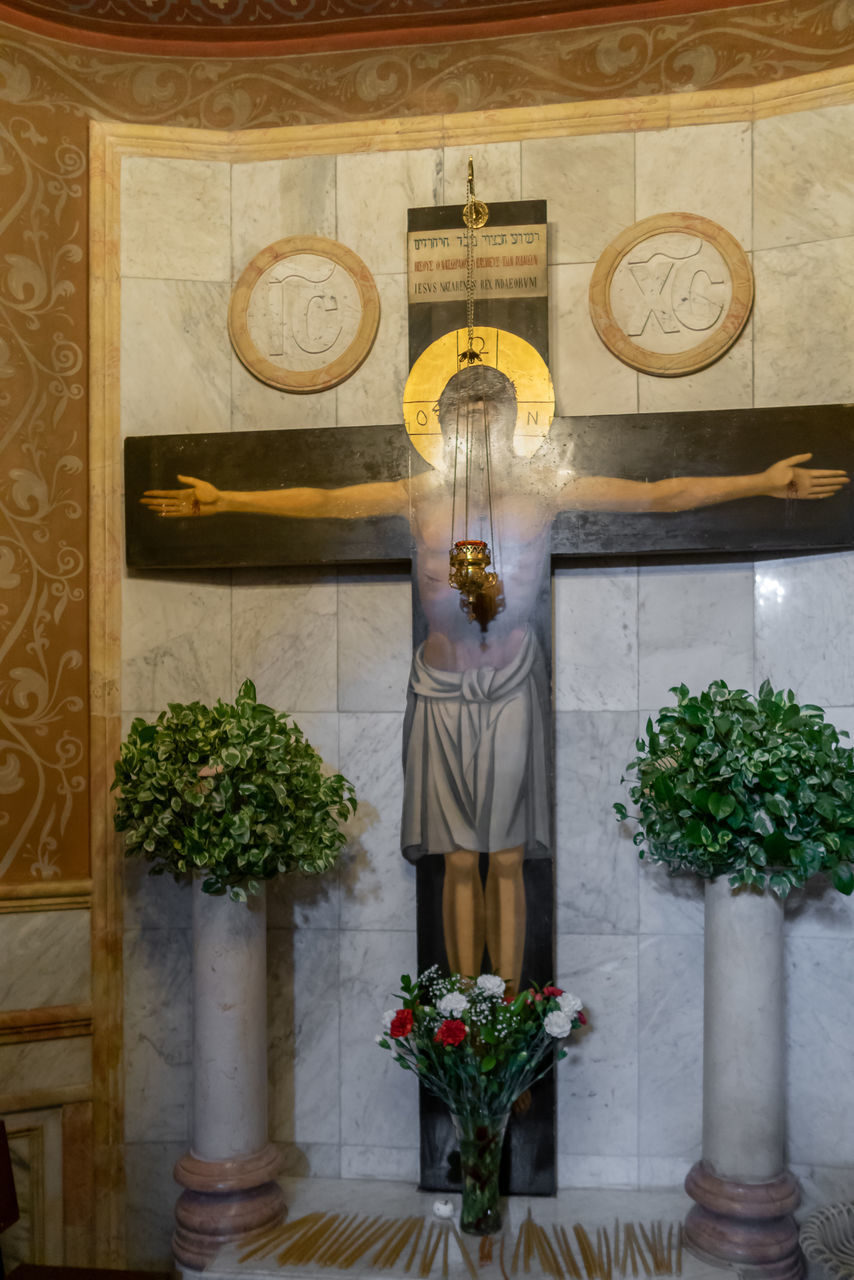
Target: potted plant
235	795
754	794
478	1051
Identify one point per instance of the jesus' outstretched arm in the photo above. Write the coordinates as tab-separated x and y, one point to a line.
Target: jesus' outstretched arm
200	498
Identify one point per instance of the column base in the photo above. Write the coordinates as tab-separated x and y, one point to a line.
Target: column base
223	1201
745	1225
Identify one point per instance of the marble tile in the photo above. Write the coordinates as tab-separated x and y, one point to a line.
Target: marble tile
669	904
803	623
285	636
589	182
695	625
398	1164
158	1031
154	902
670	1040
255	406
497	172
53	1064
374	640
310	1159
176	641
303	902
663	1171
803	184
35	1148
819	911
374	394
45	959
377	884
376	190
175	218
150	1198
596	1171
823	1184
321	730
802	352
275	199
175	357
379	1100
726	384
303	1019
702	169
587	378
595	638
598	1080
597	873
820	1047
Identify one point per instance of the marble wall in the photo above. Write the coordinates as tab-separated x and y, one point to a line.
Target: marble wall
333	648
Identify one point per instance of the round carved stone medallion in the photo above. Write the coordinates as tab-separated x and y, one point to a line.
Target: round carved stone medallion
304	314
671	294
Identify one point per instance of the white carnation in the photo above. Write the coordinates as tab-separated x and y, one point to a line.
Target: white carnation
452	1005
491	985
388	1018
558	1024
569	1004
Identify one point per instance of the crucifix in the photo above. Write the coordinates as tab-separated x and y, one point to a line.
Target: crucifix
478	773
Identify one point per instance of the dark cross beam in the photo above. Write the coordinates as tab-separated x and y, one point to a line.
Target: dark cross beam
635	447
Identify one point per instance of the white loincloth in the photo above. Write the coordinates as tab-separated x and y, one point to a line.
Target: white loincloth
474	758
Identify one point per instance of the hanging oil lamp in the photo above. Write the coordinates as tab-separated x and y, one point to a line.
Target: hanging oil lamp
481	590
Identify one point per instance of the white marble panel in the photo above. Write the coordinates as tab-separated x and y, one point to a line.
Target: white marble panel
803	181
310	1159
35	1148
703	169
175	218
176	358
596	1171
820	1048
695	625
589	183
158	1029
397	1164
819	911
726	384
597	871
321	730
176	638
274	199
803	626
303	1061
374	393
150	1203
802	351
377	884
587	377
285	636
375	191
823	1184
595	638
255	406
670	1046
45	1064
375	640
497	172
663	1171
379	1100
45	959
154	902
669	904
303	902
598	1080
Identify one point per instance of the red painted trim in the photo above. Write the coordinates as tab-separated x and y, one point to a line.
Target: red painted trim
361	33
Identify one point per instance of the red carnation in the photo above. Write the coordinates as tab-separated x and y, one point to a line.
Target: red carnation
581	1018
401	1024
452	1032
553	991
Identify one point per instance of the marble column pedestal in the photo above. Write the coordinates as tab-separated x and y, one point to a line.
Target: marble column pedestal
744	1196
229	1173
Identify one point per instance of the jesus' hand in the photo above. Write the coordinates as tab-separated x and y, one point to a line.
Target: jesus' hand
200	499
786	479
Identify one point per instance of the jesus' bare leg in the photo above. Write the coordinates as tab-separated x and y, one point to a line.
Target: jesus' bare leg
496	915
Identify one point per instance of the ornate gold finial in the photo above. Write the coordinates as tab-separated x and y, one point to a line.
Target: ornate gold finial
475	215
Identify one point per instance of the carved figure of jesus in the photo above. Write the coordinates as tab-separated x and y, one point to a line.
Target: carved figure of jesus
476	724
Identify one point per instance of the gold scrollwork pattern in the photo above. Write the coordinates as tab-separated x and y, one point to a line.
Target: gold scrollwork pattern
48	93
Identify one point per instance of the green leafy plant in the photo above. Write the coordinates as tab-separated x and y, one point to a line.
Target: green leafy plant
234	791
758	788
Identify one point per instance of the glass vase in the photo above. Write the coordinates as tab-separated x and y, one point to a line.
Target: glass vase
480	1139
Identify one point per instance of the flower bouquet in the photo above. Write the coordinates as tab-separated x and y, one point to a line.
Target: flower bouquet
478	1050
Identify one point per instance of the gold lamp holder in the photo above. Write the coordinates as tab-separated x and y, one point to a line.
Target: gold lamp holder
481	592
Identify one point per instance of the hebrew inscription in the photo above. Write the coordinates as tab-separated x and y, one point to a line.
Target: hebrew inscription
671	294
509	262
304	314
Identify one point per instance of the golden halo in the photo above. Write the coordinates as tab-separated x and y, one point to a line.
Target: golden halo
507	352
